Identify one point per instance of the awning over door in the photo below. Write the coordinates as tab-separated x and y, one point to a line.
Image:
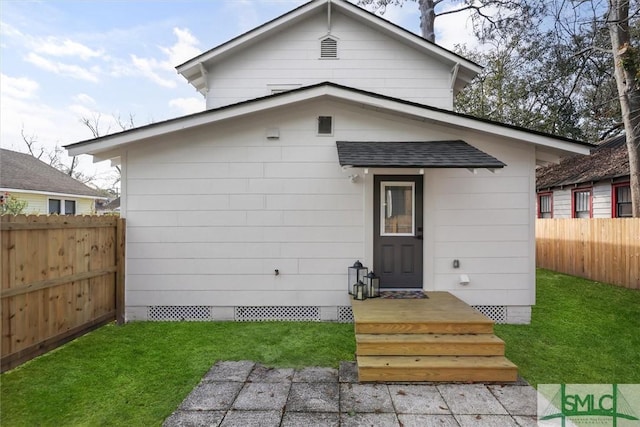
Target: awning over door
414	154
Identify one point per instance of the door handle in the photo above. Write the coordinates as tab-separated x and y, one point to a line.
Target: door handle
419	233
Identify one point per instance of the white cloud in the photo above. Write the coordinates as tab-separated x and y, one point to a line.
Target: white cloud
187	105
148	67
184	49
155	69
85	99
69	70
18	87
55	47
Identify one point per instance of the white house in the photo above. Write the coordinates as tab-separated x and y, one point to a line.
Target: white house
329	137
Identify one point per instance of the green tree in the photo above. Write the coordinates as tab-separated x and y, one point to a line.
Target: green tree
10	205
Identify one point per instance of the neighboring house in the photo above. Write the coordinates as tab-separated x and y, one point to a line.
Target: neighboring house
594	186
329	137
108	207
45	189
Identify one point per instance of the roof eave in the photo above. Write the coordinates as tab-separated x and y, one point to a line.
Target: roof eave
364	99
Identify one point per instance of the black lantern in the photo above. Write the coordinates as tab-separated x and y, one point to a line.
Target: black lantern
373	285
357	273
360	291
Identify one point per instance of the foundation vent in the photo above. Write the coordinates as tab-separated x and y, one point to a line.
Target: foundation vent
497	313
345	314
261	314
179	313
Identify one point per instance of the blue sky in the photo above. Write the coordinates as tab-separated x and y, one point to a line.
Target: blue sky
61	60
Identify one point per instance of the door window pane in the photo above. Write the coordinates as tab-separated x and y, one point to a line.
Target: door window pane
397	210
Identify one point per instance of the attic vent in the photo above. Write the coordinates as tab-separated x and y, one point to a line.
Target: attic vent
325	125
328	48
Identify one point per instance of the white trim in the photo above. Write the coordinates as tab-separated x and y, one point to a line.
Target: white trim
49	193
382	211
363	100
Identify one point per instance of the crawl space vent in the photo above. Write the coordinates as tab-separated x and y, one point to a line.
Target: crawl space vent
258	314
497	313
329	48
179	313
345	314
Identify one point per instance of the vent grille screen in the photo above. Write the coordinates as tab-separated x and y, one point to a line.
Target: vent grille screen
497	313
345	314
179	313
329	48
253	314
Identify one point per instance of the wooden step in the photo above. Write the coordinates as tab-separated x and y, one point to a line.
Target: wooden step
436	368
432	327
429	344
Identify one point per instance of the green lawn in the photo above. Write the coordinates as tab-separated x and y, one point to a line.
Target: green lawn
581	332
137	374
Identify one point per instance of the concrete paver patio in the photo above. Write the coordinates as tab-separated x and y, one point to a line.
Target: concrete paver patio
247	394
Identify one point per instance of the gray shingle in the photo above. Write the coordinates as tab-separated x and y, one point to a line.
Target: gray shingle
24	172
418	154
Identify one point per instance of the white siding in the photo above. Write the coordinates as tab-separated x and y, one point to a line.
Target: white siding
211	213
602	200
38	204
562	203
486	222
367	60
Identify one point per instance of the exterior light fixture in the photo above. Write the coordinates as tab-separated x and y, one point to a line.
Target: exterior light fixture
360	291
357	273
373	285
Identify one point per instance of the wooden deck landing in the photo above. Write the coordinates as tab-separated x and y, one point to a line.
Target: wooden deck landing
439	338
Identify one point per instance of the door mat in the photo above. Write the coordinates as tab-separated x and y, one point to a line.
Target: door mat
403	294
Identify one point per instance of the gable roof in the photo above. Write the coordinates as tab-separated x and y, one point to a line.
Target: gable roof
19	171
418	154
108	146
610	159
194	70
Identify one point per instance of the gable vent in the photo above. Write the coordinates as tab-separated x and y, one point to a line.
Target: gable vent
328	48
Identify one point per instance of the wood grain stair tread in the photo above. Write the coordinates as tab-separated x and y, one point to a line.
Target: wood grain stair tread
436	368
428	338
432	327
412	362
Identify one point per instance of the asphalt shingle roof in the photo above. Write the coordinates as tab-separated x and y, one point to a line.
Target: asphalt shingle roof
418	154
24	172
608	160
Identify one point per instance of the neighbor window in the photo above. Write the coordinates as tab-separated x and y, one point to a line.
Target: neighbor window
581	203
621	202
545	205
325	125
62	207
69	207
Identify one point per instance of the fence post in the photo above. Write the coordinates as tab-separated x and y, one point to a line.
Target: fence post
121	227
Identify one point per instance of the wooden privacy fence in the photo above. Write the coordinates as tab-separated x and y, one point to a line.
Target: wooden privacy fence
606	250
62	276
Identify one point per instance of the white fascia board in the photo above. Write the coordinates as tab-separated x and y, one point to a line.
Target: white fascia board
450	119
49	193
108	146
